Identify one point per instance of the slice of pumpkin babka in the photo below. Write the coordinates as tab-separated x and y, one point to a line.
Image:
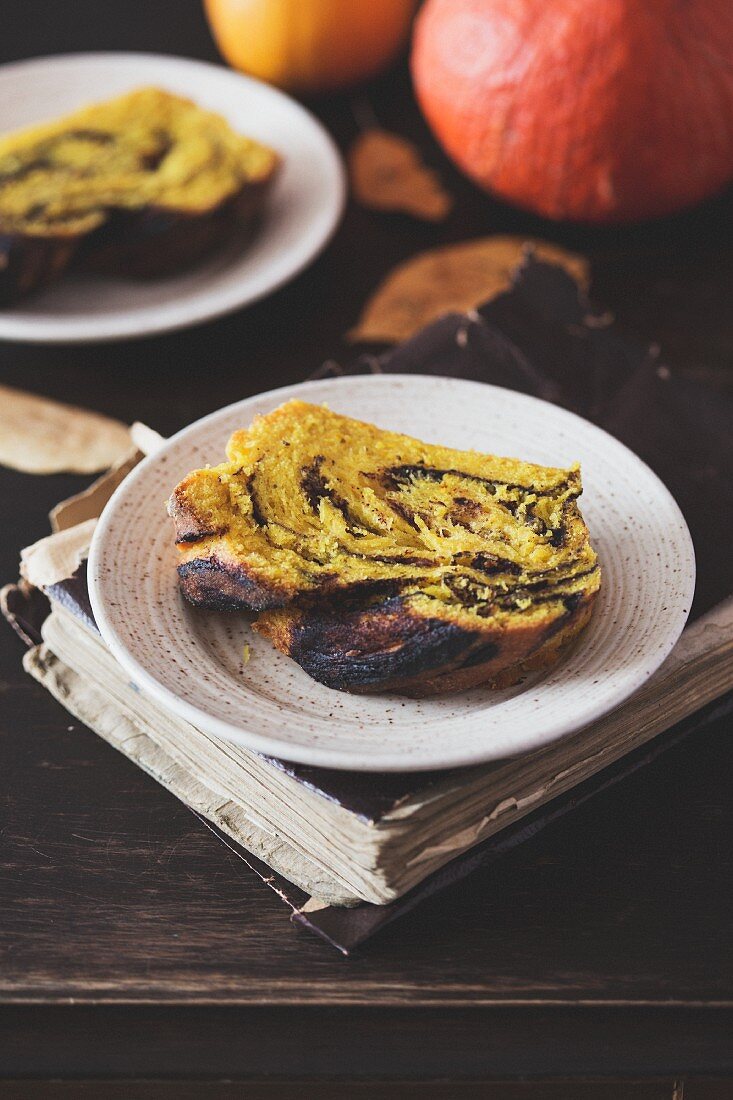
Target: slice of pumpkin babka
140	186
380	563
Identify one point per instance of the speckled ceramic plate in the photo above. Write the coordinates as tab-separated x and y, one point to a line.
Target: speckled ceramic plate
191	660
302	211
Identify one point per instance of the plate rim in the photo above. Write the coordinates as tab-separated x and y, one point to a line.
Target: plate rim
342	759
31	329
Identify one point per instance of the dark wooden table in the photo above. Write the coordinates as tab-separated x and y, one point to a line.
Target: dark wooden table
134	946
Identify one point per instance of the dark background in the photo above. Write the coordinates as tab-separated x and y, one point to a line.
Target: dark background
133	944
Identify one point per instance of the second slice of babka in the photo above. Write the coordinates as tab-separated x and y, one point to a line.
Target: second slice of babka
140	185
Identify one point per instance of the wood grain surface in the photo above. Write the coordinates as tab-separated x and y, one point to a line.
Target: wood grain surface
668	1088
133	944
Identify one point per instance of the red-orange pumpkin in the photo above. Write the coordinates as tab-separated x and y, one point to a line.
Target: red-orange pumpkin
594	110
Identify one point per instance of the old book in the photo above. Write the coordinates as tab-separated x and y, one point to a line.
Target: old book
347	838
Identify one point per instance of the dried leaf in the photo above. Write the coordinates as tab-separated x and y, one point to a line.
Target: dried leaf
455	277
41	436
387	173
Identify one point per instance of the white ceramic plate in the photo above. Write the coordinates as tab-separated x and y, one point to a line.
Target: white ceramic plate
191	660
301	214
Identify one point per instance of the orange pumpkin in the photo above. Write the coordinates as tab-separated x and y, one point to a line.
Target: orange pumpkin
593	110
310	45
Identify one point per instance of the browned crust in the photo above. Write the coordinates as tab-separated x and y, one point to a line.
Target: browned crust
210	575
29	263
155	242
223	584
388	648
145	244
549	653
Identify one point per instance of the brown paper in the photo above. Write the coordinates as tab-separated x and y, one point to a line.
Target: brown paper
146	439
58	556
41	436
89	503
387	173
453	278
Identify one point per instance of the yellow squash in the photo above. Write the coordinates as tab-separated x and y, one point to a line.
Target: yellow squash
310	45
